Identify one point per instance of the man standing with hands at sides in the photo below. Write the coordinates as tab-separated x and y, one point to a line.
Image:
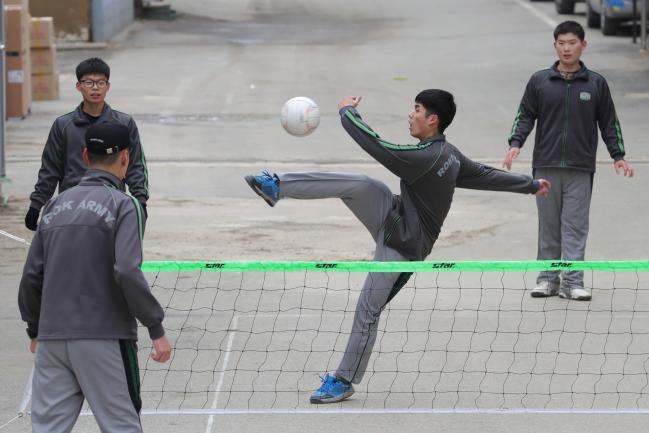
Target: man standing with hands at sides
62	163
81	292
569	102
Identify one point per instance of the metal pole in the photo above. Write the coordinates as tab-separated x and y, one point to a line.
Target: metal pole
643	29
634	25
3	173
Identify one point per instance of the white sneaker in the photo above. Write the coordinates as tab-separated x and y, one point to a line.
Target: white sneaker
575	293
545	289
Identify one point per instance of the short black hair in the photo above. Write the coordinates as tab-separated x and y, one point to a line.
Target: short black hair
570	27
105	160
439	102
93	65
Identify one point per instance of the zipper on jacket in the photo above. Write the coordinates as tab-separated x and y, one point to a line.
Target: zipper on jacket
565	125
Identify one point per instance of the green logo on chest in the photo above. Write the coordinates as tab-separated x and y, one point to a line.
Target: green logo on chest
584	96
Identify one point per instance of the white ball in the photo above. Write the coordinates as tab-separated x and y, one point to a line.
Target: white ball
300	116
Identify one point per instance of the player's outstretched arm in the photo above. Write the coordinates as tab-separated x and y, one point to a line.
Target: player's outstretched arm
473	175
400	160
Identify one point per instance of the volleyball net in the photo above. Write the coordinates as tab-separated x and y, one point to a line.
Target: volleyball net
254	337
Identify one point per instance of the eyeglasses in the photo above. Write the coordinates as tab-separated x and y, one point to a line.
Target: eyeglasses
89	84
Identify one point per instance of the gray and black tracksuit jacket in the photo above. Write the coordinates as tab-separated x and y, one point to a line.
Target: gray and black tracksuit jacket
430	171
568	112
62	161
82	277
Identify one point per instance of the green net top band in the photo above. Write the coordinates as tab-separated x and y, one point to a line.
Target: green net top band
459	266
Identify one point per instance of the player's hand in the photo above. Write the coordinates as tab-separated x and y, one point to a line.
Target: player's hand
512	154
348	101
32	345
161	349
544	188
622	165
31	219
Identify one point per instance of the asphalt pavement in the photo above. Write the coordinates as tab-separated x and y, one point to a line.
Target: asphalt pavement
206	90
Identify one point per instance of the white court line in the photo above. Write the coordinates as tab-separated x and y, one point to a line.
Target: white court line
367	411
543	17
219	385
15	238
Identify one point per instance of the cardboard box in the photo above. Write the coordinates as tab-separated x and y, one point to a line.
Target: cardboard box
72	18
17	29
18	84
45	87
42	32
43	60
23	3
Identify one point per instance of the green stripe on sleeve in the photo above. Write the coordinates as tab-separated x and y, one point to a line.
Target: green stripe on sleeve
515	125
618	134
360	125
140	226
405	146
145	171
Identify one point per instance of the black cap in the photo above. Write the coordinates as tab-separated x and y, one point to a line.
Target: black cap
107	138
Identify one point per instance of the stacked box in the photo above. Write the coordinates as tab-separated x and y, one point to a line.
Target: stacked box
42	32
18	59
45	75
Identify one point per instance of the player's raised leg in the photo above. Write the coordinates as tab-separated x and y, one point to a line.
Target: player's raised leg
369	199
265	186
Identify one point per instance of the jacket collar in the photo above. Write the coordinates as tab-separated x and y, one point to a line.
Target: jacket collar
582	74
432	138
81	119
97	176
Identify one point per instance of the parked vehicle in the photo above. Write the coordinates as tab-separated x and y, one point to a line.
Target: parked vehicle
566	6
609	14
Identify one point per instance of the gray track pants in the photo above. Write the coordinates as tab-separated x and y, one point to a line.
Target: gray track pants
563	222
370	201
66	371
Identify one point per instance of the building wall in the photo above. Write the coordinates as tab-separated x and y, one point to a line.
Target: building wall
85	20
110	17
71	17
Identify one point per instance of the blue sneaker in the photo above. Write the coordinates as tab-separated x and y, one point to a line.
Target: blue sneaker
266	186
332	390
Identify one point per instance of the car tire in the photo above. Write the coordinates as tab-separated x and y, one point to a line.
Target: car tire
592	17
609	27
565	6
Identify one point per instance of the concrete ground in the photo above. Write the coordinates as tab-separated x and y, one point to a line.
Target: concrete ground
206	90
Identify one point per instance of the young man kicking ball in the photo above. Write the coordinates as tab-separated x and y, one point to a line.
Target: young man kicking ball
403	226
